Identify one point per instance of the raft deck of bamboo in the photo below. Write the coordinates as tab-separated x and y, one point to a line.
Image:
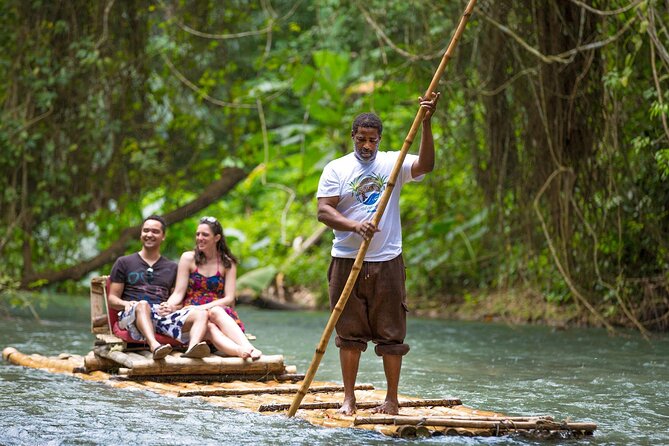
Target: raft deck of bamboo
268	386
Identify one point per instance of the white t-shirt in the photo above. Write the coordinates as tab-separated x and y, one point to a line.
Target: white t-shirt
359	187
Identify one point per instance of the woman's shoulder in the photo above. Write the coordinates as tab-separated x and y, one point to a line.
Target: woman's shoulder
231	269
188	256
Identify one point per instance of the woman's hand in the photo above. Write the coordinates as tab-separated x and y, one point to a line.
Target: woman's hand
166	308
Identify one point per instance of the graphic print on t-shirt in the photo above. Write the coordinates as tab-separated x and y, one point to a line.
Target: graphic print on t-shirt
367	189
135	276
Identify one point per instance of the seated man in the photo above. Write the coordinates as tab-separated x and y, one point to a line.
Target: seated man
140	285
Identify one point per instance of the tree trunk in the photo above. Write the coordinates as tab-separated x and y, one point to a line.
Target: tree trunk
229	179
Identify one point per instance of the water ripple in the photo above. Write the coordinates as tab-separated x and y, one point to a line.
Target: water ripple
581	374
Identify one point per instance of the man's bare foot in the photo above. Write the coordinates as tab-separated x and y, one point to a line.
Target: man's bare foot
388	407
153	345
347	407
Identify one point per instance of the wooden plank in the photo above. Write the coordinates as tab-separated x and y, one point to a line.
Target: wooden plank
175	364
119	357
269	390
146	353
138	359
13	356
94	362
108	338
503	423
99	310
142	364
124	375
363	404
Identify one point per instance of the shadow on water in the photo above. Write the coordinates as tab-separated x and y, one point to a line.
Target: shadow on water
620	383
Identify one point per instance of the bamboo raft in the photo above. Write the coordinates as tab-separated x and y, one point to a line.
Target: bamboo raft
268	386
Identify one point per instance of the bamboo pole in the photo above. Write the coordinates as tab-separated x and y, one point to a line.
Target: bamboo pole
93	362
385	197
412	432
403	419
125	374
268	390
116	356
174	364
505	423
36	361
361	405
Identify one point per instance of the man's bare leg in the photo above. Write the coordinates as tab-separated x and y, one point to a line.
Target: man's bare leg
349	360
196	324
145	325
392	365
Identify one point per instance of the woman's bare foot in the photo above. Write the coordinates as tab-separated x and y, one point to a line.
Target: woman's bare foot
347	407
251	352
243	353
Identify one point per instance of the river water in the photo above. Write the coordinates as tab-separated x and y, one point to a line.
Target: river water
621	383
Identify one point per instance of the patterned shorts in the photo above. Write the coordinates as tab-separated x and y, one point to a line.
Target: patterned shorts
170	325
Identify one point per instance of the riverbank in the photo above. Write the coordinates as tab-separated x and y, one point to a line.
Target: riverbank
526	306
516	307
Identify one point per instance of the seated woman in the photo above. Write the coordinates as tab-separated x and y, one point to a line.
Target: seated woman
207	277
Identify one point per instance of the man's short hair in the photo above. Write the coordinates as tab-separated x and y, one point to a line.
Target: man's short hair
157	218
367	120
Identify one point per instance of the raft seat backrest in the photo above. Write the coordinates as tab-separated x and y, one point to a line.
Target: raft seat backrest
124	334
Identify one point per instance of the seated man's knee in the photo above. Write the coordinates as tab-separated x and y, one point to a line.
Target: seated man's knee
142	306
201	314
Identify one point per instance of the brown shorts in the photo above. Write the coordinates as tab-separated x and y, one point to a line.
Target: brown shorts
376	308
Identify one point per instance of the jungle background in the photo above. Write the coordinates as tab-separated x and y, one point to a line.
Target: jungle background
549	201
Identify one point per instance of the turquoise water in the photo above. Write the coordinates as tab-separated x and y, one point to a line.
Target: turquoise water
621	383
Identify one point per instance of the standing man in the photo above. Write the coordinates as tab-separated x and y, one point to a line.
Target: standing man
140	285
348	192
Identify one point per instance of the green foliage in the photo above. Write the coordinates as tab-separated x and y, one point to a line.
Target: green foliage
111	115
662	158
258	279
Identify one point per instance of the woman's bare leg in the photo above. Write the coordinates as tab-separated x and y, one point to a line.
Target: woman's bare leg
231	330
224	343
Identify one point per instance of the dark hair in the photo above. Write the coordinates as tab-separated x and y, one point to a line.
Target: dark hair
221	246
157	218
367	120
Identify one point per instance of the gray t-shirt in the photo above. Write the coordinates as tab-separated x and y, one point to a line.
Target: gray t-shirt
143	282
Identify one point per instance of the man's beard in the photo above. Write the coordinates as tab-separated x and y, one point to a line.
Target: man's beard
363	160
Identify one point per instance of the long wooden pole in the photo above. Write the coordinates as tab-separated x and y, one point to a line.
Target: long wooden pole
503	424
385	197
